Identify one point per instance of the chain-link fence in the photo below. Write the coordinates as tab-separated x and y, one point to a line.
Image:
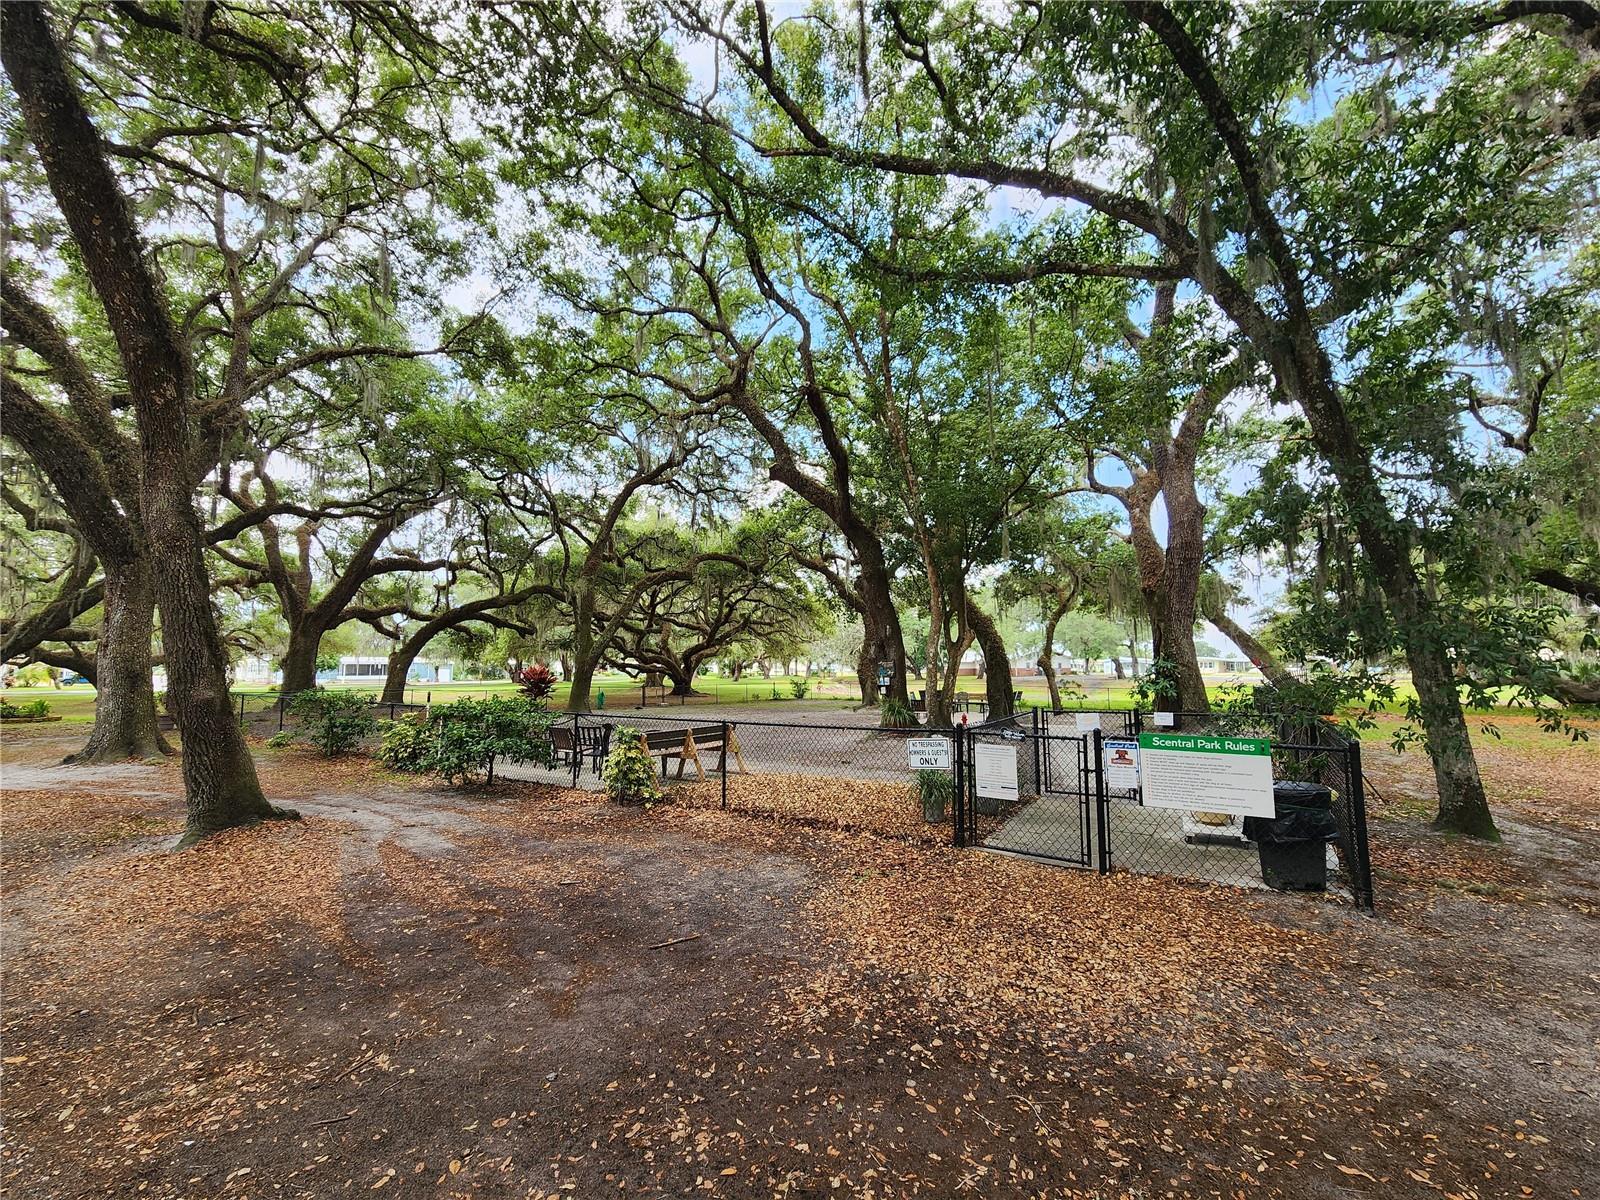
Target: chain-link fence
848	774
1059	786
1065	787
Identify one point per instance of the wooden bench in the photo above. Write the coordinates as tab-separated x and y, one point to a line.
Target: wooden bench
686	745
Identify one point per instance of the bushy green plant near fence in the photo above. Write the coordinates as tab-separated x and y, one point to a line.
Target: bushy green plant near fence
897	714
935	789
800	687
629	771
334	721
408	744
473	734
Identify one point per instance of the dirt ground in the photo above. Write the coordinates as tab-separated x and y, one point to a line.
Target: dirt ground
529	993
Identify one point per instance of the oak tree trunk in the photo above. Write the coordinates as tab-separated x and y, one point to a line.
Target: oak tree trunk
300	660
124	702
997	676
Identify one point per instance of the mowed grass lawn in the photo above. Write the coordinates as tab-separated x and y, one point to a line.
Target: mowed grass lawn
1089	692
77	703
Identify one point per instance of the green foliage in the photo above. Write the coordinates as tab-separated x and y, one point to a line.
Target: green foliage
332	719
281	740
896	714
935	789
801	688
408	744
629	771
33	708
1157	685
473	734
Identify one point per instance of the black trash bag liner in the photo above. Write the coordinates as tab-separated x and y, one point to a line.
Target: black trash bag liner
1305	814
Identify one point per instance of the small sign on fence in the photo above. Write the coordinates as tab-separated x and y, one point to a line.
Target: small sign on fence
1122	762
928	754
1088	721
1213	773
995	768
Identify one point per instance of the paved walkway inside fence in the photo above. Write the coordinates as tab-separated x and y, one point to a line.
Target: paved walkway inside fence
827	742
1145	841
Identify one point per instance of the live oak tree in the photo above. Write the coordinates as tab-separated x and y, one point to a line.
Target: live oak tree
754	596
250	202
219	777
1291	224
90	462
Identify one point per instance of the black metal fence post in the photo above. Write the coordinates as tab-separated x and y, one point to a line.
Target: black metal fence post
1102	803
1038	781
722	761
958	794
1361	869
280	712
577	753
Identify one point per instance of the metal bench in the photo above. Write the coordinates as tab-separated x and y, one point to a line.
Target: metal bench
592	742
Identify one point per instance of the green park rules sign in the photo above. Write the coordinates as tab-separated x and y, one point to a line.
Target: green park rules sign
1204	772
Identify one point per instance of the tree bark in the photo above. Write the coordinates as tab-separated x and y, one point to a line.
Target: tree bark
1258	654
1169	581
300	660
1183	564
584	653
125	706
1047	656
997	675
220	781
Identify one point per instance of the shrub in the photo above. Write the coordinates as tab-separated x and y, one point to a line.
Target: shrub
536	682
281	740
800	687
630	772
897	714
408	744
334	721
935	788
474	733
33	708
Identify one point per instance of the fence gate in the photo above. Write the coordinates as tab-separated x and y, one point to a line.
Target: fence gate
1027	790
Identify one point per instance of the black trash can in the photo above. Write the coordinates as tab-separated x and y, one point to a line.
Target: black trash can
1292	845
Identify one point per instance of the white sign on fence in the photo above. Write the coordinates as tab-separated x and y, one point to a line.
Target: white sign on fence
928	754
1165	720
996	770
1122	762
1201	772
1088	721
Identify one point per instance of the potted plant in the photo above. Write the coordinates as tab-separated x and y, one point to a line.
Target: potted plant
935	789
